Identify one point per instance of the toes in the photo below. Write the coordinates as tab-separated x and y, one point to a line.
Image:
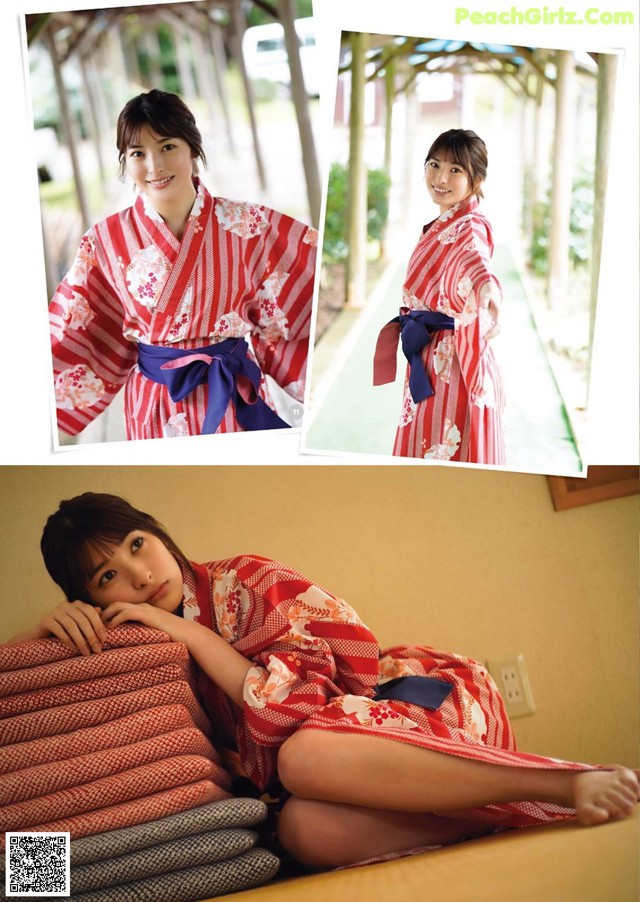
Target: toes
592	815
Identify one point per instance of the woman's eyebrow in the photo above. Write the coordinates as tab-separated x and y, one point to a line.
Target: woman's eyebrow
158	141
98	567
450	162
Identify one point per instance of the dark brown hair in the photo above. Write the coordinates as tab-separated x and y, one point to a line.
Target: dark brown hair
166	115
460	145
87	524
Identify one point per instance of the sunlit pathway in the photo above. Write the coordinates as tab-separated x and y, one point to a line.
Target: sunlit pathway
349	414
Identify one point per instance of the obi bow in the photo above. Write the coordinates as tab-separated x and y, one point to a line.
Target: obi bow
415	328
225	368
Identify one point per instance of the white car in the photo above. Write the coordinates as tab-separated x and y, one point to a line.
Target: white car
266	57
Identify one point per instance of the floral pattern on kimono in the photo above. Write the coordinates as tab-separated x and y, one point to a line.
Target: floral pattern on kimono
315	665
78	387
147	275
240	270
462	420
77	313
448	447
246	220
228	326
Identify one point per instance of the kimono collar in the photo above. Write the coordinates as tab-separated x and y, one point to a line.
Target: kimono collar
149	210
196	593
463	208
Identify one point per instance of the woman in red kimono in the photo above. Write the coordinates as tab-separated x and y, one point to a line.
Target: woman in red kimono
181	272
453	395
379	751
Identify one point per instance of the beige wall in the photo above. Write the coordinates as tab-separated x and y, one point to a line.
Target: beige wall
472	561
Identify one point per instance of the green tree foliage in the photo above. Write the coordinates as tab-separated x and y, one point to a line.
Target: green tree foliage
335	247
258	16
580	225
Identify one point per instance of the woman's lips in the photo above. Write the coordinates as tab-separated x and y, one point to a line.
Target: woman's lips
160	183
159	592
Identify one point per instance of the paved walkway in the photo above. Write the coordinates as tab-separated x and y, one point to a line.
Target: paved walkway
349	414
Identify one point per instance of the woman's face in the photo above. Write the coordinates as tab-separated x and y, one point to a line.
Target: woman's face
447	182
162	168
141	569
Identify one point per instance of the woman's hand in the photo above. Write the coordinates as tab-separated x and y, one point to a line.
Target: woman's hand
77	624
121	612
491	300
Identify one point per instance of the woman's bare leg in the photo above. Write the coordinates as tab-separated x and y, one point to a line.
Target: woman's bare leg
375	772
330	835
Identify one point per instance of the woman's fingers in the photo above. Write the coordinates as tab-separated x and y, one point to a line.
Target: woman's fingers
78	625
490	300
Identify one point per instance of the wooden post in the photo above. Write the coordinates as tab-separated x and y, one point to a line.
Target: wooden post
301	106
561	179
389	96
411	198
188	88
70	130
238	28
93	120
607	70
357	190
219	70
203	68
536	189
152	49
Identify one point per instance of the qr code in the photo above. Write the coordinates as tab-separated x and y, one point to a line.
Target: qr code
37	864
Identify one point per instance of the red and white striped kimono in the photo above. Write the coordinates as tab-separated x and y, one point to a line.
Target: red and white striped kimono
316	665
462	421
240	271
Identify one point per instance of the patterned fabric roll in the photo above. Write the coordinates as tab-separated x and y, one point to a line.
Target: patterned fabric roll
54	777
229	813
94	667
106	741
66	718
120	787
204	848
104	687
137	726
138	811
45	651
253	868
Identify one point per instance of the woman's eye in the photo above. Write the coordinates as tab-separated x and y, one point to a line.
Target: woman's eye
106	577
135	153
137	543
169	147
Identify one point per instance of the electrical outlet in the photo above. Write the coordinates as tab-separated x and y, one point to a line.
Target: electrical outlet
510	675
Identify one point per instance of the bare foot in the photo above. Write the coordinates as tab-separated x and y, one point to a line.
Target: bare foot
605	795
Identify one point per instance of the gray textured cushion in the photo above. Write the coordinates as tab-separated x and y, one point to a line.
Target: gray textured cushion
228	813
252	868
189	852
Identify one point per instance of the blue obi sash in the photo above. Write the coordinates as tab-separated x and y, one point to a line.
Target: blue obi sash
225	368
418	690
415	328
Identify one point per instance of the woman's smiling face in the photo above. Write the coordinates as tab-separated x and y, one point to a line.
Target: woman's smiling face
447	182
161	167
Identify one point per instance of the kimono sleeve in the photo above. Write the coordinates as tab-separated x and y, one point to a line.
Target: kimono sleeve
306	647
91	357
282	304
471	269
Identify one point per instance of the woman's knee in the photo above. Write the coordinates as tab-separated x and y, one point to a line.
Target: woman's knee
300	763
311	834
